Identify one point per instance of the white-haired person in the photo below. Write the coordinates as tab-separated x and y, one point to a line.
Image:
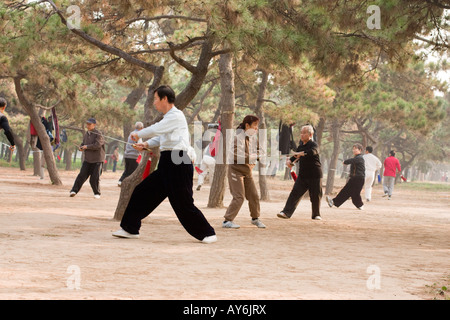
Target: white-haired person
131	154
309	176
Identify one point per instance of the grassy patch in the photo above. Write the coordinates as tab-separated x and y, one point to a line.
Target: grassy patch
440	291
428	186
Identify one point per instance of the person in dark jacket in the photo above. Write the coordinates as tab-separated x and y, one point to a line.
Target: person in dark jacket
4	124
309	176
354	185
94	155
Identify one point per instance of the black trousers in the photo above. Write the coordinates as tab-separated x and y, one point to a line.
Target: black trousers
92	171
301	185
175	182
130	166
352	189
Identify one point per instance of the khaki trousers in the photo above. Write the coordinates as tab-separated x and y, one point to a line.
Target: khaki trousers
242	186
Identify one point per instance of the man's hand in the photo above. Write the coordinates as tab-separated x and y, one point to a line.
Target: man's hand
140	146
299	154
12	148
134	136
82	148
289	164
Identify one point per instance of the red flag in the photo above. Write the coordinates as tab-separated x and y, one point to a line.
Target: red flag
199	171
147	169
403	178
294	175
214	145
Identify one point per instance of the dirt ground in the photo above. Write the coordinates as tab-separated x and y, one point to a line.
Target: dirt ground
56	247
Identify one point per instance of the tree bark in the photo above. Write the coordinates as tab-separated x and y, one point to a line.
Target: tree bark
226	104
335	131
132	99
130	182
263	189
42	133
320	127
20	151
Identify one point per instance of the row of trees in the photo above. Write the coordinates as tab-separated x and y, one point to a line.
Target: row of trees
296	61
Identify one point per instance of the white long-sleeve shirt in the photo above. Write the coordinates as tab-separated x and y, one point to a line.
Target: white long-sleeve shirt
171	133
372	163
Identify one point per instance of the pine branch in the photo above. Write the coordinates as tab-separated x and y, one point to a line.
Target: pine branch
107	48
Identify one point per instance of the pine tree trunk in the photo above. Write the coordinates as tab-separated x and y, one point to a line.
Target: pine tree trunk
20	151
335	130
129	183
226	104
42	133
262	167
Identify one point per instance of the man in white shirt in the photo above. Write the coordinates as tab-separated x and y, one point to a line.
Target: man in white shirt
172	179
372	164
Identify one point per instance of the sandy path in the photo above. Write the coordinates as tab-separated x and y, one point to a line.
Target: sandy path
49	240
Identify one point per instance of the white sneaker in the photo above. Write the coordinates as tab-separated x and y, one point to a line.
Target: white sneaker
317	218
230	224
123	234
210	239
330	201
96	196
72	193
361	208
258	223
282	215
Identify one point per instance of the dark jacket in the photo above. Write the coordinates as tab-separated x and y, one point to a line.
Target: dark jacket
357	166
309	165
95	144
4	124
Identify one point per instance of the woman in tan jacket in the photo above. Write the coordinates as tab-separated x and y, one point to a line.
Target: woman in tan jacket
240	179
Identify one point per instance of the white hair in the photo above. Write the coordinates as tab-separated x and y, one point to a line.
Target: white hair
139	125
309	127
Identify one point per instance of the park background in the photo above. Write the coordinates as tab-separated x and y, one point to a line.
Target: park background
373	72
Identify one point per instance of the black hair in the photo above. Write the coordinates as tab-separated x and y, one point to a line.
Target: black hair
392	153
248	119
369	148
165	91
2	102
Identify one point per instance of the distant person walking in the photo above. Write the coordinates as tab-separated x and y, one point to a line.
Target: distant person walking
355	183
93	146
131	154
4	124
391	165
372	164
115	157
207	167
240	178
